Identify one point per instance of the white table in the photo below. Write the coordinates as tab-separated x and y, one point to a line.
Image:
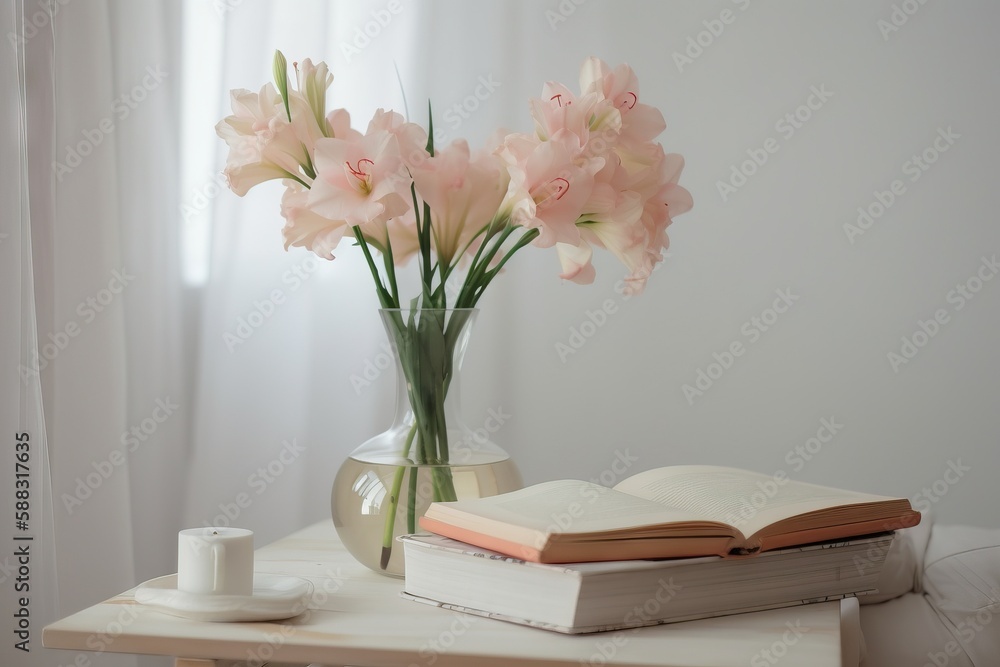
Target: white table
356	617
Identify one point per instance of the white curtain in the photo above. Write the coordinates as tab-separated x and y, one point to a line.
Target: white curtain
100	300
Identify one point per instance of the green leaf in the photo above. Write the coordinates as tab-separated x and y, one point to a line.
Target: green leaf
430	130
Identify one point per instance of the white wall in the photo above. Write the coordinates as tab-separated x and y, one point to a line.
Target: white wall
826	358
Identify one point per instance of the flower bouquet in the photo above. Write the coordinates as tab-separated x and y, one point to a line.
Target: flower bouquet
589	175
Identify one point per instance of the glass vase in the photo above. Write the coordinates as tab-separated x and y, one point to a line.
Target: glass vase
428	453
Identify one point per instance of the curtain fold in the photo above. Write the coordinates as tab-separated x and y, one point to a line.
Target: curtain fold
99	301
28	565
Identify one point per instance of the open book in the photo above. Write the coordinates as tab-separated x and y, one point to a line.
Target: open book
672	512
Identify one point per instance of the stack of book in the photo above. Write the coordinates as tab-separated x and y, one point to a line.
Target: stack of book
667	545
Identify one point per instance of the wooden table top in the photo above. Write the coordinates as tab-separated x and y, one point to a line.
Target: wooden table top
357	617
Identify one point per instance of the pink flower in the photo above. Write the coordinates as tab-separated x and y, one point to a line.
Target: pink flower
628	214
610	219
263	144
360	180
411	137
576	262
313	82
662	199
668	200
463	194
640	122
304	227
550	181
338	122
594	120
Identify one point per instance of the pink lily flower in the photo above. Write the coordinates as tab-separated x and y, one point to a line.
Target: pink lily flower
463	193
550	182
360	180
304	227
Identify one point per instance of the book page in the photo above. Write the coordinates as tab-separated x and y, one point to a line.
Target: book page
748	501
564	506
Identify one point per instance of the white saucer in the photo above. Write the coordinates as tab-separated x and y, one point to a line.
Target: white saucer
274	597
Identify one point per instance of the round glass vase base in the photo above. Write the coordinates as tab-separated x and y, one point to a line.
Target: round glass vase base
362	498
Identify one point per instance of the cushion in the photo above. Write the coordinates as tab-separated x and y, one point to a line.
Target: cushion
903	564
962	583
952	615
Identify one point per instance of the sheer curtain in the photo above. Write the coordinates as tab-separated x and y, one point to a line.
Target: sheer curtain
100	300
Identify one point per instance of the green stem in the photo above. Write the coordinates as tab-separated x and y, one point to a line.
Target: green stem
478	270
490	231
390	516
488	277
390	268
411	507
383	296
295	177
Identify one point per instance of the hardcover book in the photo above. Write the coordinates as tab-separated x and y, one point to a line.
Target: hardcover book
671	512
599	596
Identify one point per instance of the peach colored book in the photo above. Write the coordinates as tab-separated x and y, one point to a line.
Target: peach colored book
672	512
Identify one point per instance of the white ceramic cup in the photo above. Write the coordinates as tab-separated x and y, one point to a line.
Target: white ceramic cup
215	561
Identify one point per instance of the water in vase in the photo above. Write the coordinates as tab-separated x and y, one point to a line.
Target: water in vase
362	496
